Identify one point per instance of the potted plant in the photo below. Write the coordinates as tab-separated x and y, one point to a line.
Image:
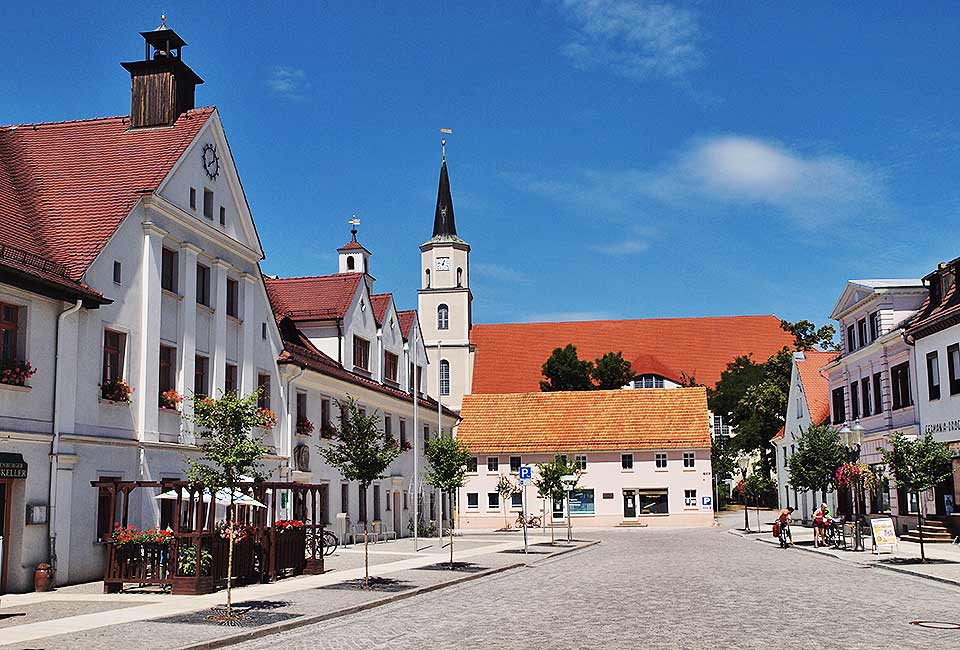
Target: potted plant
304	427
117	390
266	418
170	400
16	373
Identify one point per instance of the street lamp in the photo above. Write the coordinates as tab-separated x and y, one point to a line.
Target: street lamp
853	441
743	461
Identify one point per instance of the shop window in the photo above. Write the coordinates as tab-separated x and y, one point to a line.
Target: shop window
652	502
581	502
345	498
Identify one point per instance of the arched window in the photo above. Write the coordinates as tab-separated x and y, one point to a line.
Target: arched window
459	277
443	317
427	271
444	377
350	263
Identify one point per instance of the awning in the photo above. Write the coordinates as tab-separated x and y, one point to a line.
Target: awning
12	466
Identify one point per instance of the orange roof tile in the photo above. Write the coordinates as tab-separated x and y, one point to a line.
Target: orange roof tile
380	302
595	420
509	357
407	318
318	297
816	387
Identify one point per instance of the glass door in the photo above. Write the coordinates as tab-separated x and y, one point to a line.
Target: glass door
629	504
558	509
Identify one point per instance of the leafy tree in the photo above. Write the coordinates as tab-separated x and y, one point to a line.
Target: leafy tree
565	371
759	413
505	488
228	454
917	465
688	381
807	336
361	451
448	459
549	482
740	374
813	466
759	488
723	463
612	371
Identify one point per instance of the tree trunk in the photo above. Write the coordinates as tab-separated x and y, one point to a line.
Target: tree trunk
366	558
923	557
451	545
230	518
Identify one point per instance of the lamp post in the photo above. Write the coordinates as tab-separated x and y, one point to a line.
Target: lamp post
743	461
853	441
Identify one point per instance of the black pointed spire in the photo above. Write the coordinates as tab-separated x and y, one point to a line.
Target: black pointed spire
443	221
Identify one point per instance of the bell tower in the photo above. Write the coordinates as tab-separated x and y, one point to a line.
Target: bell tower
162	86
445	300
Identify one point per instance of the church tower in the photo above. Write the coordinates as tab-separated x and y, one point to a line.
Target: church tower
445	301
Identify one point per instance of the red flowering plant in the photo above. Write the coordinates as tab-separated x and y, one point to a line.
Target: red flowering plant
123	535
284	525
304	426
266	418
16	373
852	473
405	446
170	399
235	529
117	390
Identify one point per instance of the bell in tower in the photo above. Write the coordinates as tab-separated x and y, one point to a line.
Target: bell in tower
162	86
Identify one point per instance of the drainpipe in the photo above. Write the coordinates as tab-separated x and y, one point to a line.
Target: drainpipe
339	341
55	443
291	423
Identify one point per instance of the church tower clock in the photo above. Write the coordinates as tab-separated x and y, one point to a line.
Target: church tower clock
444	301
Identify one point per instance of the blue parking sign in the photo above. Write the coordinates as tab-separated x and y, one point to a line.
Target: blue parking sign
526	472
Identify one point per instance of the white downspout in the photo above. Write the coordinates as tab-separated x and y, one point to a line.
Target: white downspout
291	423
55	443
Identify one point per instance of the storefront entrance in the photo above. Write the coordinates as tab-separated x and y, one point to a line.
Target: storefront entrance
5	498
629	504
637	502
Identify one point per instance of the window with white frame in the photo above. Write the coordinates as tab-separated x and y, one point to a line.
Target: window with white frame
473	500
626	461
660	460
581	463
472	465
690	498
516	500
443	317
493	500
515	462
444	377
493	463
689	460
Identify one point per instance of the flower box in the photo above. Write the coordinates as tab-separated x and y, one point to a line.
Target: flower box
16	373
170	400
304	427
117	390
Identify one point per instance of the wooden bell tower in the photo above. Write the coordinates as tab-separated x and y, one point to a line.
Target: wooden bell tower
162	86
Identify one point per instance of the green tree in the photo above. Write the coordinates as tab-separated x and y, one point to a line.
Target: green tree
229	453
549	481
448	459
917	465
612	371
505	489
723	462
759	413
361	451
807	336
739	375
813	466
563	370
759	488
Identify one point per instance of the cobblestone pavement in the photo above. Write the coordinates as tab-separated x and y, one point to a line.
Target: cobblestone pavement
657	588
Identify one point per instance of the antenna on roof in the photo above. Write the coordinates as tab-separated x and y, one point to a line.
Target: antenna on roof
443	143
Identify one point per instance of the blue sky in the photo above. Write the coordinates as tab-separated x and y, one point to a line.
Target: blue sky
610	158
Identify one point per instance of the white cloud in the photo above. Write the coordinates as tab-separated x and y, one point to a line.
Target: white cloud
499	273
287	81
634	38
562	316
812	189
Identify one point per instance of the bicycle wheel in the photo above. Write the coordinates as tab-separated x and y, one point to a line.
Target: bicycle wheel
330	542
536	522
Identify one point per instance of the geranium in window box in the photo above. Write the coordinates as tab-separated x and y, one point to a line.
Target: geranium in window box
405	446
16	373
123	535
327	430
284	525
304	426
266	418
117	390
170	400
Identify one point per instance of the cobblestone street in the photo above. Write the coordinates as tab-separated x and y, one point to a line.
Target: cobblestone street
658	588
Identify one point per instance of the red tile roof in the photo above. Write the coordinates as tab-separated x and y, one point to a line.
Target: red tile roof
935	314
380	302
65	187
816	387
407	318
595	420
509	357
353	244
318	297
779	435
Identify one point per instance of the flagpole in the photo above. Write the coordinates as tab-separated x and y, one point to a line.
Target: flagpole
439	432
416	447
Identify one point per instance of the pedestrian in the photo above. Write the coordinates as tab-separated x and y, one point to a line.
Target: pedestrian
819	525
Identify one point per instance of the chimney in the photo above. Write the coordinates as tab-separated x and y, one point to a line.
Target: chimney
161	86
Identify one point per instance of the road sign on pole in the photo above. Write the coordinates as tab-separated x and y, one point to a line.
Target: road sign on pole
526	472
523	511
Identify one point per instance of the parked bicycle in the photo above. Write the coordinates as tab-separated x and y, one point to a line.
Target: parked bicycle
532	521
833	533
783	533
328	542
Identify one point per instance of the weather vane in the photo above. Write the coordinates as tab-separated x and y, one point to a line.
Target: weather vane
355	221
443	143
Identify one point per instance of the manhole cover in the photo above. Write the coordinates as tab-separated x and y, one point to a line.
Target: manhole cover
936	625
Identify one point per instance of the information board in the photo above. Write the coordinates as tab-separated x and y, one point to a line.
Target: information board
884	534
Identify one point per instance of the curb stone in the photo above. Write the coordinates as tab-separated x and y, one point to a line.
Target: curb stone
866	565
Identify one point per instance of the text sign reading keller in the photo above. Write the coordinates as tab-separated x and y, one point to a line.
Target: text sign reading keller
12	466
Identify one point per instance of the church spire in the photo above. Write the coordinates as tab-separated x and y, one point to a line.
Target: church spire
443	221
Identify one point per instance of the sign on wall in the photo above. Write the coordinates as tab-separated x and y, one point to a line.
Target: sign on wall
12	466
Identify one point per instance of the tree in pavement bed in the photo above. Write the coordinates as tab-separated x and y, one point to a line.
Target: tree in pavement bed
505	489
819	453
229	453
362	452
448	459
549	482
918	464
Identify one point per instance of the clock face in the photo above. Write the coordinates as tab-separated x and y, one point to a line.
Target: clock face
443	263
210	160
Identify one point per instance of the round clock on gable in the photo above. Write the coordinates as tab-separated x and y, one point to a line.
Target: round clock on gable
210	160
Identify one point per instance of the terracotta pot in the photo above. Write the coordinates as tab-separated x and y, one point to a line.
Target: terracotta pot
43	578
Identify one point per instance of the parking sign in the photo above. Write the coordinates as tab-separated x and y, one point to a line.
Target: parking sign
526	472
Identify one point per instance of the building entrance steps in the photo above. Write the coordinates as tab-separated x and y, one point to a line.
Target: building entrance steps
934	532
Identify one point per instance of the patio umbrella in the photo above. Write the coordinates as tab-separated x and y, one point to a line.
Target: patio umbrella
222	496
